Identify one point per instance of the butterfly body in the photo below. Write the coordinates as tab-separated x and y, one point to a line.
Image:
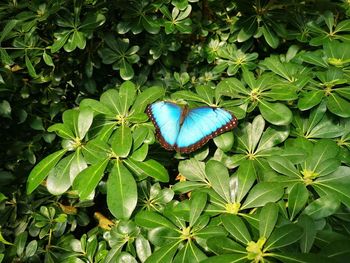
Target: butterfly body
185	130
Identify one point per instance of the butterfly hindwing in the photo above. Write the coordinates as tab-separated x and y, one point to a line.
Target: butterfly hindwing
202	124
166	118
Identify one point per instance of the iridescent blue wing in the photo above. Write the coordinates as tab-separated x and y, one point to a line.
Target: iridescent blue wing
166	119
202	124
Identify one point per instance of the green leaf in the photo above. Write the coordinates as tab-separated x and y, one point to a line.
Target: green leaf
317	115
150	168
323	151
84	121
274	64
10	24
164	254
189	253
31	248
287	257
284	166
121	192
95	150
140	154
246	176
230	87
208	231
42	169
37	124
20	242
30	67
193	170
338	105
126	70
187	95
61	39
151	26
322	207
78	39
206	92
127	93
283	236
58	180
262	193
5	109
126	257
275	113
336	184
96	106
310	99
151	219
337	251
2	197
87	180
48	60
197	203
224	141
218	177
5	59
270	37
148	96
161	236
297	199
309	235
3	240
111	99
254	132
236	227
267	219
224	245
92	21
273	136
143	248
227	258
139	135
121	141
248	30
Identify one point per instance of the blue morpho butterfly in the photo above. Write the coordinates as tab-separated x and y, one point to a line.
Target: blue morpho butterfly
185	130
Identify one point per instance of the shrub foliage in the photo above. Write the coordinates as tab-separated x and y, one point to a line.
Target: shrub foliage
82	177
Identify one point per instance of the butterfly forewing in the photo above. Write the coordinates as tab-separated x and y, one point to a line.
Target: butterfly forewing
166	118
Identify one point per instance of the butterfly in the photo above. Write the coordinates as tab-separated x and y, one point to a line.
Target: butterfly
186	130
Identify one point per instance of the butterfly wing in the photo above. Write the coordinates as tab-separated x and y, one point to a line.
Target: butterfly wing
201	125
166	119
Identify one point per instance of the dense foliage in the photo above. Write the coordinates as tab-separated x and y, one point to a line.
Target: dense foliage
82	177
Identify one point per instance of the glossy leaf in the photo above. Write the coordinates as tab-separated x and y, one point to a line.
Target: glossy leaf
164	254
322	207
236	227
309	235
121	141
218	177
152	220
297	199
263	193
275	113
198	202
268	219
87	180
283	236
42	169
150	168
121	192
